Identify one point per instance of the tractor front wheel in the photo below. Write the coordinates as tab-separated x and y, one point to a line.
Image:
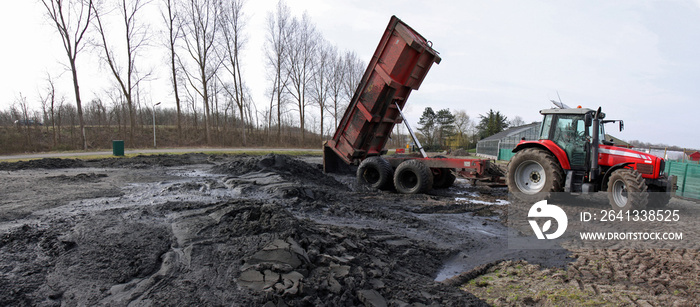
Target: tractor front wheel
533	174
627	190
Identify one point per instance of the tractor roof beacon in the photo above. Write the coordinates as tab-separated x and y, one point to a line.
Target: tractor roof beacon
573	156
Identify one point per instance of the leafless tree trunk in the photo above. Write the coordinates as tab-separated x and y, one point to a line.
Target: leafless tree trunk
117	109
59	118
72	19
336	84
136	35
215	106
192	102
173	23
278	27
232	24
201	29
48	105
300	64
22	101
323	76
272	107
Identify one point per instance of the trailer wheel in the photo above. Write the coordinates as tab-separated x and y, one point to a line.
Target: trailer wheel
375	172
412	177
443	178
627	190
533	174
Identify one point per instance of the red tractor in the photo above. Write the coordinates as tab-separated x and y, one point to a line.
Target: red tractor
573	156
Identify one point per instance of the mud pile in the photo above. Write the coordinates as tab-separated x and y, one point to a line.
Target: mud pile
82	177
149	161
287	167
153	245
237	252
46	163
140	161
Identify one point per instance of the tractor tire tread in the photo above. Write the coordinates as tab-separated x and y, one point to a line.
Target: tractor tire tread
548	161
638	196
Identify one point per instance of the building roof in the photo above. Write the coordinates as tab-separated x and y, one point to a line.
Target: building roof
511	131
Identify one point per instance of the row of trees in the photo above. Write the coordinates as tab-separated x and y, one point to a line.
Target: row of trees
204	41
444	129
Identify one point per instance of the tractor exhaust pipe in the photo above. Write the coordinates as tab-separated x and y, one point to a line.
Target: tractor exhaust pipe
593	175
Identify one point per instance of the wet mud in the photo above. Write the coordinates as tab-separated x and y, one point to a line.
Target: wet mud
201	230
242	230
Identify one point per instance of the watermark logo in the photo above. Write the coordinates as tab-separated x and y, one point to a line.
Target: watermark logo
543	210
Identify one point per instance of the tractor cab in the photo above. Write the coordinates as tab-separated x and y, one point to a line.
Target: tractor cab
570	130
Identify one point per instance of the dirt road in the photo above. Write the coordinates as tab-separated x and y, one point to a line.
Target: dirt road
269	230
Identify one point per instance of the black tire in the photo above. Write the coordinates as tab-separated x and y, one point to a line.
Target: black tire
412	177
627	190
375	172
533	174
443	178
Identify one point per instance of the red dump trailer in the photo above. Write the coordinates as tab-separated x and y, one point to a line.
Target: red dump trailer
397	67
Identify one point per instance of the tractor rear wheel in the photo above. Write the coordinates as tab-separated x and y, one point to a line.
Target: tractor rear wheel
375	172
627	190
533	174
412	177
443	178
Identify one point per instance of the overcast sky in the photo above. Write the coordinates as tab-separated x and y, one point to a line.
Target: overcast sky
638	60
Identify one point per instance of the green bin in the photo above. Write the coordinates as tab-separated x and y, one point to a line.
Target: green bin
118	148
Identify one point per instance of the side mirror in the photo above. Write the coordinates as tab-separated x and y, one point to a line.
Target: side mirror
622	125
588	119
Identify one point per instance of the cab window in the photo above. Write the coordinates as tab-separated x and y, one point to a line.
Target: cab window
546	127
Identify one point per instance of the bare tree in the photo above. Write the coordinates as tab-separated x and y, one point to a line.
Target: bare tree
278	27
200	22
24	117
174	26
354	69
48	103
232	25
463	126
117	112
322	77
336	83
300	64
125	73
516	121
72	19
